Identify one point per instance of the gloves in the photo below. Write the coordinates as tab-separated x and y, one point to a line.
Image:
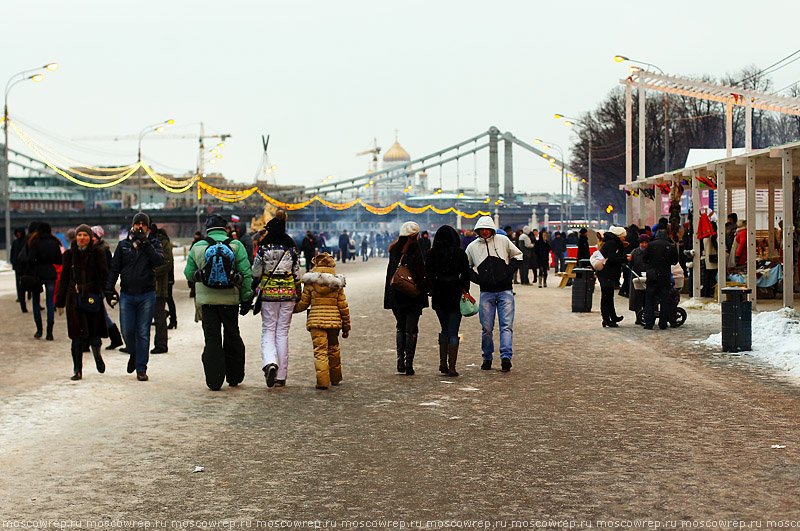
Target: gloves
345	334
245	307
112	298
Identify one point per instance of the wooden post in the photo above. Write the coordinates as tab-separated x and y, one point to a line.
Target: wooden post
695	242
748	131
642	203
771	220
750	203
729	128
788	229
722	216
657	199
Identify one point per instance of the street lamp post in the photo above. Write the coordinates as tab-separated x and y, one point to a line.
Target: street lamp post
19	77
561	152
152	128
569	122
619	59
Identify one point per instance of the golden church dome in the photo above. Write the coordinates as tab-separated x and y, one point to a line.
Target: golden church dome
396	153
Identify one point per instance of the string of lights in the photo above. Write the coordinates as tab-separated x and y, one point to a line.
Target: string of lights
231	196
116	171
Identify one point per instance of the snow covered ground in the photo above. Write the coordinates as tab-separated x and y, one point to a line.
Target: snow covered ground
776	339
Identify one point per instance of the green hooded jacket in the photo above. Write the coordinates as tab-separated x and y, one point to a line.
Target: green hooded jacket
219	297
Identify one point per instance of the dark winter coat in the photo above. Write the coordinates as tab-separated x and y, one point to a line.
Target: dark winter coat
44	253
559	246
614	252
135	268
636	297
393	300
16	247
447	268
583	247
661	254
309	247
541	249
164	271
88	271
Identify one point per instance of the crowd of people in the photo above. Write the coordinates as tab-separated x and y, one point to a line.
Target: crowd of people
232	272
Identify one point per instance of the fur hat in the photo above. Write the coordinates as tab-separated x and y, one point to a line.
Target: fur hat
84	228
409	228
141	217
324	260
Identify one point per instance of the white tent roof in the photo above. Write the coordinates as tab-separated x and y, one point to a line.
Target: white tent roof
698	156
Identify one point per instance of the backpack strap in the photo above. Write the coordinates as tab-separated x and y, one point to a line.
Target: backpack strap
211	241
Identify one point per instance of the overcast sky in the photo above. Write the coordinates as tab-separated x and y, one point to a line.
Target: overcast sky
323	78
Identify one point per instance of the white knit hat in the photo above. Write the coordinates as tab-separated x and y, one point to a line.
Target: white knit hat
618	231
409	228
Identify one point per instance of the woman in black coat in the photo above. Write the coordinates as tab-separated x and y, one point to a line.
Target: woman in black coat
447	269
541	249
406	309
85	274
613	250
44	253
583	245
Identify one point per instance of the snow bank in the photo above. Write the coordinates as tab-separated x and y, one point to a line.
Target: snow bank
776	339
700	304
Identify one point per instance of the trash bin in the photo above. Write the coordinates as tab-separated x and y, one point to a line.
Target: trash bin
737	320
582	289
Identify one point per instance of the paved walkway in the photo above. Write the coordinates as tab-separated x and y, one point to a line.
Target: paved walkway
591	424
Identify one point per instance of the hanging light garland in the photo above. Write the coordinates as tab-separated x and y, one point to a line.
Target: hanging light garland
178	186
232	196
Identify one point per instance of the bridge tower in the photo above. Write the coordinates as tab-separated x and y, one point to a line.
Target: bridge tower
494	177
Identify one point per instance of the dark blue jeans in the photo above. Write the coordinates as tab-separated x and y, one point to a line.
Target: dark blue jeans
135	316
49	290
450	322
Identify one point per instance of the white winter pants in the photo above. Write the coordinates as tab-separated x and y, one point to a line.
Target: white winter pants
275	320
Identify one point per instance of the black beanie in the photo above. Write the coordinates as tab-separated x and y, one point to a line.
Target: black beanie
215	221
141	217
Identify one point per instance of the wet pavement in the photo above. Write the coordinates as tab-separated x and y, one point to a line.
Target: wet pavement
592	424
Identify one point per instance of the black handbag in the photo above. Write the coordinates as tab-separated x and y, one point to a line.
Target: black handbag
92	303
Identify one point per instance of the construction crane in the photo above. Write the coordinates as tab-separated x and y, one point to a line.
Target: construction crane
201	137
376	150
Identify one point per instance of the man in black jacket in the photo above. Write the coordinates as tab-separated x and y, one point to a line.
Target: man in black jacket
659	256
344	246
134	263
309	248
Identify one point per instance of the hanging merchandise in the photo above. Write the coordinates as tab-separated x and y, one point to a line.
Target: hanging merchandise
704	227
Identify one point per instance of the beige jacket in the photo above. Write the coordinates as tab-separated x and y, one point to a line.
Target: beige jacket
323	293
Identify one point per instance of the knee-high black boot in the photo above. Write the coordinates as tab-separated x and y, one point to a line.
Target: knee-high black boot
411	349
401	350
77	360
443	341
98	359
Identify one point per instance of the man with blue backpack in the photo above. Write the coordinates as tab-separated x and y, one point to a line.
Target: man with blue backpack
220	269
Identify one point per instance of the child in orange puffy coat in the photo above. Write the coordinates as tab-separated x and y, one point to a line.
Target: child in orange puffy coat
323	295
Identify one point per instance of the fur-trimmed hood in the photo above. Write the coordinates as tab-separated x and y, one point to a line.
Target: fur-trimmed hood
325	276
